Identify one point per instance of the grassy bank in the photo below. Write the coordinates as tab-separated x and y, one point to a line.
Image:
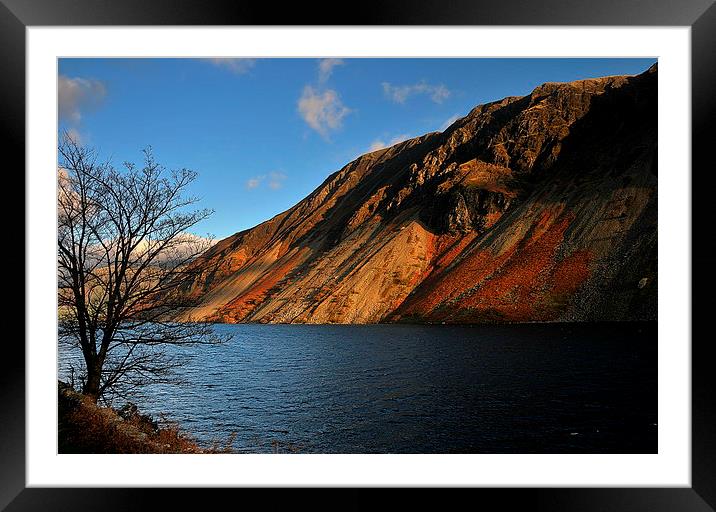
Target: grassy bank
84	427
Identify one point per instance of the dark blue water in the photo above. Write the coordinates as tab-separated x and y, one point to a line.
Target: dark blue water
546	388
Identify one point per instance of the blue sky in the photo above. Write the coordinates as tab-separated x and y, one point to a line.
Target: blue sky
262	134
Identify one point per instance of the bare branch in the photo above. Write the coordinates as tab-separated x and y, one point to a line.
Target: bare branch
124	253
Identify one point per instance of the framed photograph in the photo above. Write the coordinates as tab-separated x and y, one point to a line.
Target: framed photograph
439	246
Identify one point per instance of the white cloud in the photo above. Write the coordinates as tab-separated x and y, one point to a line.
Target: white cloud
183	247
401	93
273	180
325	68
254	182
237	66
448	122
379	144
322	111
75	95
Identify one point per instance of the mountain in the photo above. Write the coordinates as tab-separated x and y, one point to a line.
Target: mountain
533	208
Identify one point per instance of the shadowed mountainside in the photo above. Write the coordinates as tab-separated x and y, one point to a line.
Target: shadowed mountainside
534	208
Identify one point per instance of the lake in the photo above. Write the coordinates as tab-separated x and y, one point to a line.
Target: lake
537	388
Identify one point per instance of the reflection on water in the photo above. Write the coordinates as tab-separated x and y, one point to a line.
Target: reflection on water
548	388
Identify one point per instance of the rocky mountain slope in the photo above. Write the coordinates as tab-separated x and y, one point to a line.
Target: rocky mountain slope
534	208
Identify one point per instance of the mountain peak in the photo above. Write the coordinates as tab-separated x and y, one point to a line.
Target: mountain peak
532	208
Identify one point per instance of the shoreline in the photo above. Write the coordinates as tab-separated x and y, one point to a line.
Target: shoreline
85	427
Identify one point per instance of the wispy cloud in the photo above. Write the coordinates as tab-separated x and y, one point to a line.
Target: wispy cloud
401	93
78	95
325	68
276	179
273	180
448	122
322	110
379	144
237	66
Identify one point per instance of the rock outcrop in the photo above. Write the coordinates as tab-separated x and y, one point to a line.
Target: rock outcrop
534	208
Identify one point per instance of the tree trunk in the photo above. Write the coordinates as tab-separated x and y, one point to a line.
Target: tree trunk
91	387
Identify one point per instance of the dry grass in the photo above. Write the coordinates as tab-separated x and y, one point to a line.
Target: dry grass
84	427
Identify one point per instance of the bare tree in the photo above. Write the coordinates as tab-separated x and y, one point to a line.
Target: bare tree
123	252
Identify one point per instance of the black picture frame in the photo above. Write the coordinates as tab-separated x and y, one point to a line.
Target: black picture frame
700	15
